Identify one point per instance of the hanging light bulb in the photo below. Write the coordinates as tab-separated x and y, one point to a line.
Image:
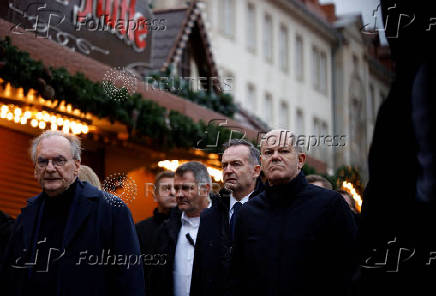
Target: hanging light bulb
34	122
17	111
84	129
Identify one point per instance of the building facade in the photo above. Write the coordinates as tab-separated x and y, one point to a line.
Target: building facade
295	64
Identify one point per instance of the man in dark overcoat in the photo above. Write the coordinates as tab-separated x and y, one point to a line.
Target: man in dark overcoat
294	238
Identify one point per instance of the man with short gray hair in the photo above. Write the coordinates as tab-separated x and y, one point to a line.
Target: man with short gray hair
177	236
293	232
61	232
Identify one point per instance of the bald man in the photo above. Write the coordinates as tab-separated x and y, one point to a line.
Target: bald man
294	238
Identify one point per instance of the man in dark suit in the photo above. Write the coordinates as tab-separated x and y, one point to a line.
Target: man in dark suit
165	196
176	237
294	238
241	169
72	239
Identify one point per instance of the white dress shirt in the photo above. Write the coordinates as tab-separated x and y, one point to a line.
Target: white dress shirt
184	257
233	201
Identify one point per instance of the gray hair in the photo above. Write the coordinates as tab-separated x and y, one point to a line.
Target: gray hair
75	143
198	169
254	156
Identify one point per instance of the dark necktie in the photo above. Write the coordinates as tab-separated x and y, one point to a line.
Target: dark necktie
236	208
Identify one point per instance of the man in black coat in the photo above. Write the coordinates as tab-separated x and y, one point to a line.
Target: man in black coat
6	224
294	238
241	168
72	239
175	239
165	196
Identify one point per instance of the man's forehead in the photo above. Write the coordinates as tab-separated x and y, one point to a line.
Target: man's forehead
187	177
166	181
54	144
277	138
239	152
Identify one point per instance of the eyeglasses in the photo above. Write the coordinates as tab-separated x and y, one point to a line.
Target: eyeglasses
56	162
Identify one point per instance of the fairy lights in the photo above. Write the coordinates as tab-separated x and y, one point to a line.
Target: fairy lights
33	116
42	119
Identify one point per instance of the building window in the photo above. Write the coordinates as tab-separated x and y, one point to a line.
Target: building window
284	115
317	132
227	15
317	126
300	122
284	49
268	39
355	63
323	73
315	67
299	59
319	69
268	109
324	148
251	27
372	104
251	98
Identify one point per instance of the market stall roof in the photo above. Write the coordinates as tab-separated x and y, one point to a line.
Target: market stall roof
53	54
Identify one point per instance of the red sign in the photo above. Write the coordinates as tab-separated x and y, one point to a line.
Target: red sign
117	16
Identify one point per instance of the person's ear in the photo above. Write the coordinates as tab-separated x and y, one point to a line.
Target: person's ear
256	171
301	160
261	164
76	167
154	196
204	189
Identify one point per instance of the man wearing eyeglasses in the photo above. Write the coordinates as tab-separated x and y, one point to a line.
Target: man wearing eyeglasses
177	235
294	238
66	238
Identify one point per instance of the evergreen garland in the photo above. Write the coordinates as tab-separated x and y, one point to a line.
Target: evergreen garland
144	118
221	103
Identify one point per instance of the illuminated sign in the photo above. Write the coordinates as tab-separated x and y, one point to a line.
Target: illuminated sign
118	17
115	32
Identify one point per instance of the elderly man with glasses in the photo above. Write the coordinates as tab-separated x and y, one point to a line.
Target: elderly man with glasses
69	239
